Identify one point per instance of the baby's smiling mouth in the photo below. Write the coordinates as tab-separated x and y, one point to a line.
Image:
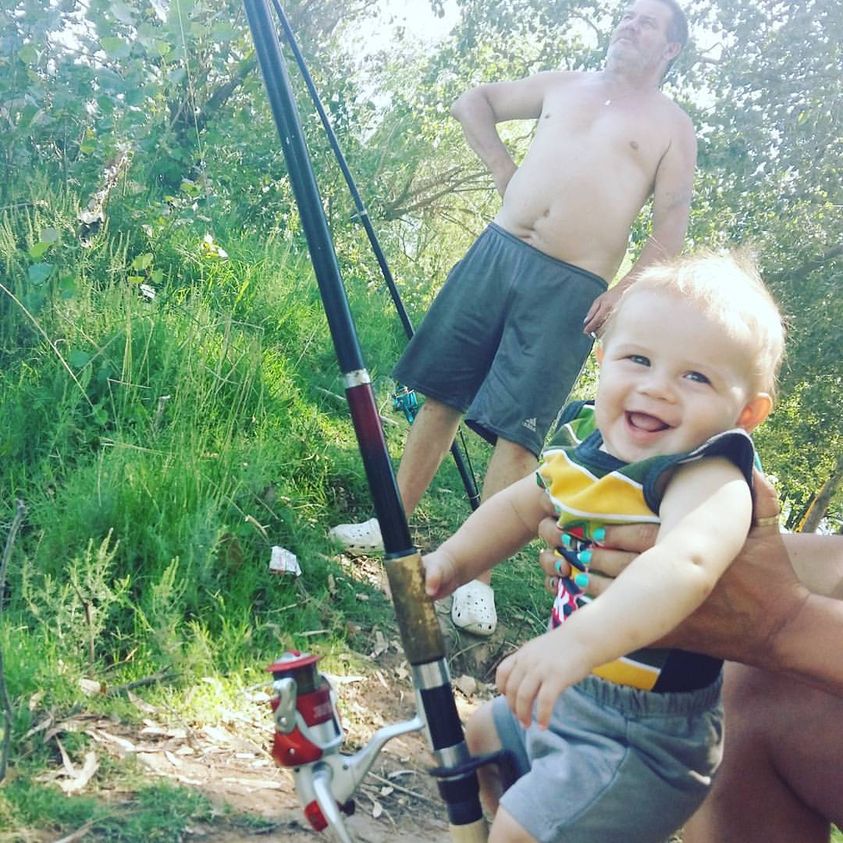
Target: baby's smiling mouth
645	422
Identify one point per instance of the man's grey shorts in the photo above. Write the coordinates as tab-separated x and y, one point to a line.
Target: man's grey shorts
617	765
503	340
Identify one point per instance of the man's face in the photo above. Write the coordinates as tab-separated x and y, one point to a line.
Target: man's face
641	36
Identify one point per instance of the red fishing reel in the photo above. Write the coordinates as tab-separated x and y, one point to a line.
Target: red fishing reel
306	722
308	737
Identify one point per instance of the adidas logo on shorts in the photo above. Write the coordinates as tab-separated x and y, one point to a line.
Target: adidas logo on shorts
530	424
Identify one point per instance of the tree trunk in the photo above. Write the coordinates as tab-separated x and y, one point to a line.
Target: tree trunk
819	505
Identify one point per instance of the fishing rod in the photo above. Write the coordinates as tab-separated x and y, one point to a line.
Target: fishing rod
403	399
308	734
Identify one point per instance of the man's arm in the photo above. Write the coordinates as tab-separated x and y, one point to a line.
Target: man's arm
818	562
662	586
759	612
480	109
672	191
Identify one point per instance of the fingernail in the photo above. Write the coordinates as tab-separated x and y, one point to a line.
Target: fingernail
599	534
558	567
566	540
584	556
581	580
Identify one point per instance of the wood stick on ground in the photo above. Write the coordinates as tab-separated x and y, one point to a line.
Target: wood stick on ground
5	702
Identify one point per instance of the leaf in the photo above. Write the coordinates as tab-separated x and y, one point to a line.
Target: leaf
49	235
142	262
100	415
38	273
67	287
122	12
115	48
91	687
78	358
28	54
78	779
381	645
37	251
467	684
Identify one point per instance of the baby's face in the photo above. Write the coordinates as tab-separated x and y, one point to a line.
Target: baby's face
670	379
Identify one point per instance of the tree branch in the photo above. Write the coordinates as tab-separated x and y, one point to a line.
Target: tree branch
5	701
811	265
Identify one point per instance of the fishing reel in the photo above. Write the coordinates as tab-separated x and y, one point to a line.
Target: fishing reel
406	401
307	739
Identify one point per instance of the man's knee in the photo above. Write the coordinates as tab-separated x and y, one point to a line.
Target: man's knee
513	450
509	463
434	405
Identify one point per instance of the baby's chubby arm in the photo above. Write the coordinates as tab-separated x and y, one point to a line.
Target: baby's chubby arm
705	516
501	526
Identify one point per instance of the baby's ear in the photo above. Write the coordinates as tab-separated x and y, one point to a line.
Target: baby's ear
756	410
598	353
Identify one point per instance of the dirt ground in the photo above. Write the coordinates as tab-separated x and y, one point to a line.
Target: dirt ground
227	758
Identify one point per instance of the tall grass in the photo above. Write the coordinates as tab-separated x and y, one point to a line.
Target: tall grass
170	412
168	417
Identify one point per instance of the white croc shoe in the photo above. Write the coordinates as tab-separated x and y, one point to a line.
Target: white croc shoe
359	539
473	608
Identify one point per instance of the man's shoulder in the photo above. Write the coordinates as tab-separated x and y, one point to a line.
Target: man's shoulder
561	78
673	111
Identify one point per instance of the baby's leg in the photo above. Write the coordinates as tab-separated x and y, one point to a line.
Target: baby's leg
506	829
616	765
482	738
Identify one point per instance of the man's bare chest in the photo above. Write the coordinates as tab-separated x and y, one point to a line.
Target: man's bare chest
592	127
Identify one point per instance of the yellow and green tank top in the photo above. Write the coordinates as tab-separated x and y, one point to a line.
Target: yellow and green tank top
590	488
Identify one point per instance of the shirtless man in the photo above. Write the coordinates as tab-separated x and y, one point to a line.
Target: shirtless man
515	321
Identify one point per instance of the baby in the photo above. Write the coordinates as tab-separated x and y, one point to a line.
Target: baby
611	738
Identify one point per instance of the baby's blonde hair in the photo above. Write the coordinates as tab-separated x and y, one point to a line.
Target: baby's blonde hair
728	289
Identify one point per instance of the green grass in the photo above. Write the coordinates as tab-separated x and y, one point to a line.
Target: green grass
162	446
131	811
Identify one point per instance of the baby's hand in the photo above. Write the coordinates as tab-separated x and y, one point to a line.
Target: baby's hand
537	674
440	575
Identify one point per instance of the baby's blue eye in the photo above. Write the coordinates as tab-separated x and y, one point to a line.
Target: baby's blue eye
640	359
699	377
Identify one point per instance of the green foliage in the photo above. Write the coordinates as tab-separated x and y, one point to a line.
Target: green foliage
158	812
160	443
167	384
